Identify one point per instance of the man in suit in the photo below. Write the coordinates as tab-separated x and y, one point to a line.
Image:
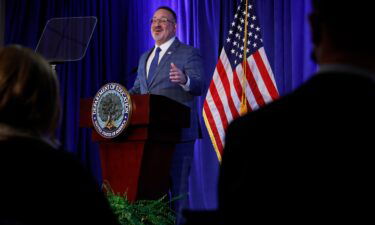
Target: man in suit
174	70
307	157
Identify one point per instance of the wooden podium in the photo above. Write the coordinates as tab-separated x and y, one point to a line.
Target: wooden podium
138	161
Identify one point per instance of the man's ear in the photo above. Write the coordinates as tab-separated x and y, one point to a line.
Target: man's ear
316	28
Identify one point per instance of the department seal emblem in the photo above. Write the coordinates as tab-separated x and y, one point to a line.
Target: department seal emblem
111	110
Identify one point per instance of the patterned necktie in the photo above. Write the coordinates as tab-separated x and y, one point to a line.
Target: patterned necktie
153	66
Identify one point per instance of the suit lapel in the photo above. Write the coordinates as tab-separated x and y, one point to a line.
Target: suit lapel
143	63
165	58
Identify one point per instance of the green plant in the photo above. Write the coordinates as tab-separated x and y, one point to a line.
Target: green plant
141	212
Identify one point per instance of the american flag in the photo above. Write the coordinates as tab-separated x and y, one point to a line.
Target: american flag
232	94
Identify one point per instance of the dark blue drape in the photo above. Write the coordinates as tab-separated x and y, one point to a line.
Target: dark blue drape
123	34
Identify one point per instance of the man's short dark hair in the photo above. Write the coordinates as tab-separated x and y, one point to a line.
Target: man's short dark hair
348	23
169	10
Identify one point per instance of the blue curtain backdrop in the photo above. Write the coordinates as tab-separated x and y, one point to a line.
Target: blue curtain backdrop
123	34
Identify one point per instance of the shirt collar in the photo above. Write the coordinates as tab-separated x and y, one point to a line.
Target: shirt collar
164	47
344	68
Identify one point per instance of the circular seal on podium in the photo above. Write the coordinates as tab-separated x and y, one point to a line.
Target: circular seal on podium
111	110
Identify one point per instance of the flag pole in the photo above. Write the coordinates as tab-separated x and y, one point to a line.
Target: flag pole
243	107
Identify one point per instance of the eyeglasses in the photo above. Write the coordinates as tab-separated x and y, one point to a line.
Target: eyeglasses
161	20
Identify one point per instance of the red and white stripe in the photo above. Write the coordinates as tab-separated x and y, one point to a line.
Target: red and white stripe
223	99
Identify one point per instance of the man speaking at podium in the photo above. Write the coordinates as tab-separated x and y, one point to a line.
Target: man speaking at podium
174	70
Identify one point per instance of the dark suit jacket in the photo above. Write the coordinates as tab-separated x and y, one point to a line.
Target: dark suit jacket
306	157
187	59
42	185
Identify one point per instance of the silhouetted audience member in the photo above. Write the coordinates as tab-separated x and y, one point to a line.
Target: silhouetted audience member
308	157
40	184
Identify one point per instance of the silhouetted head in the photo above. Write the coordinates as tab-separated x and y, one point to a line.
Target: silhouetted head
343	27
29	91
